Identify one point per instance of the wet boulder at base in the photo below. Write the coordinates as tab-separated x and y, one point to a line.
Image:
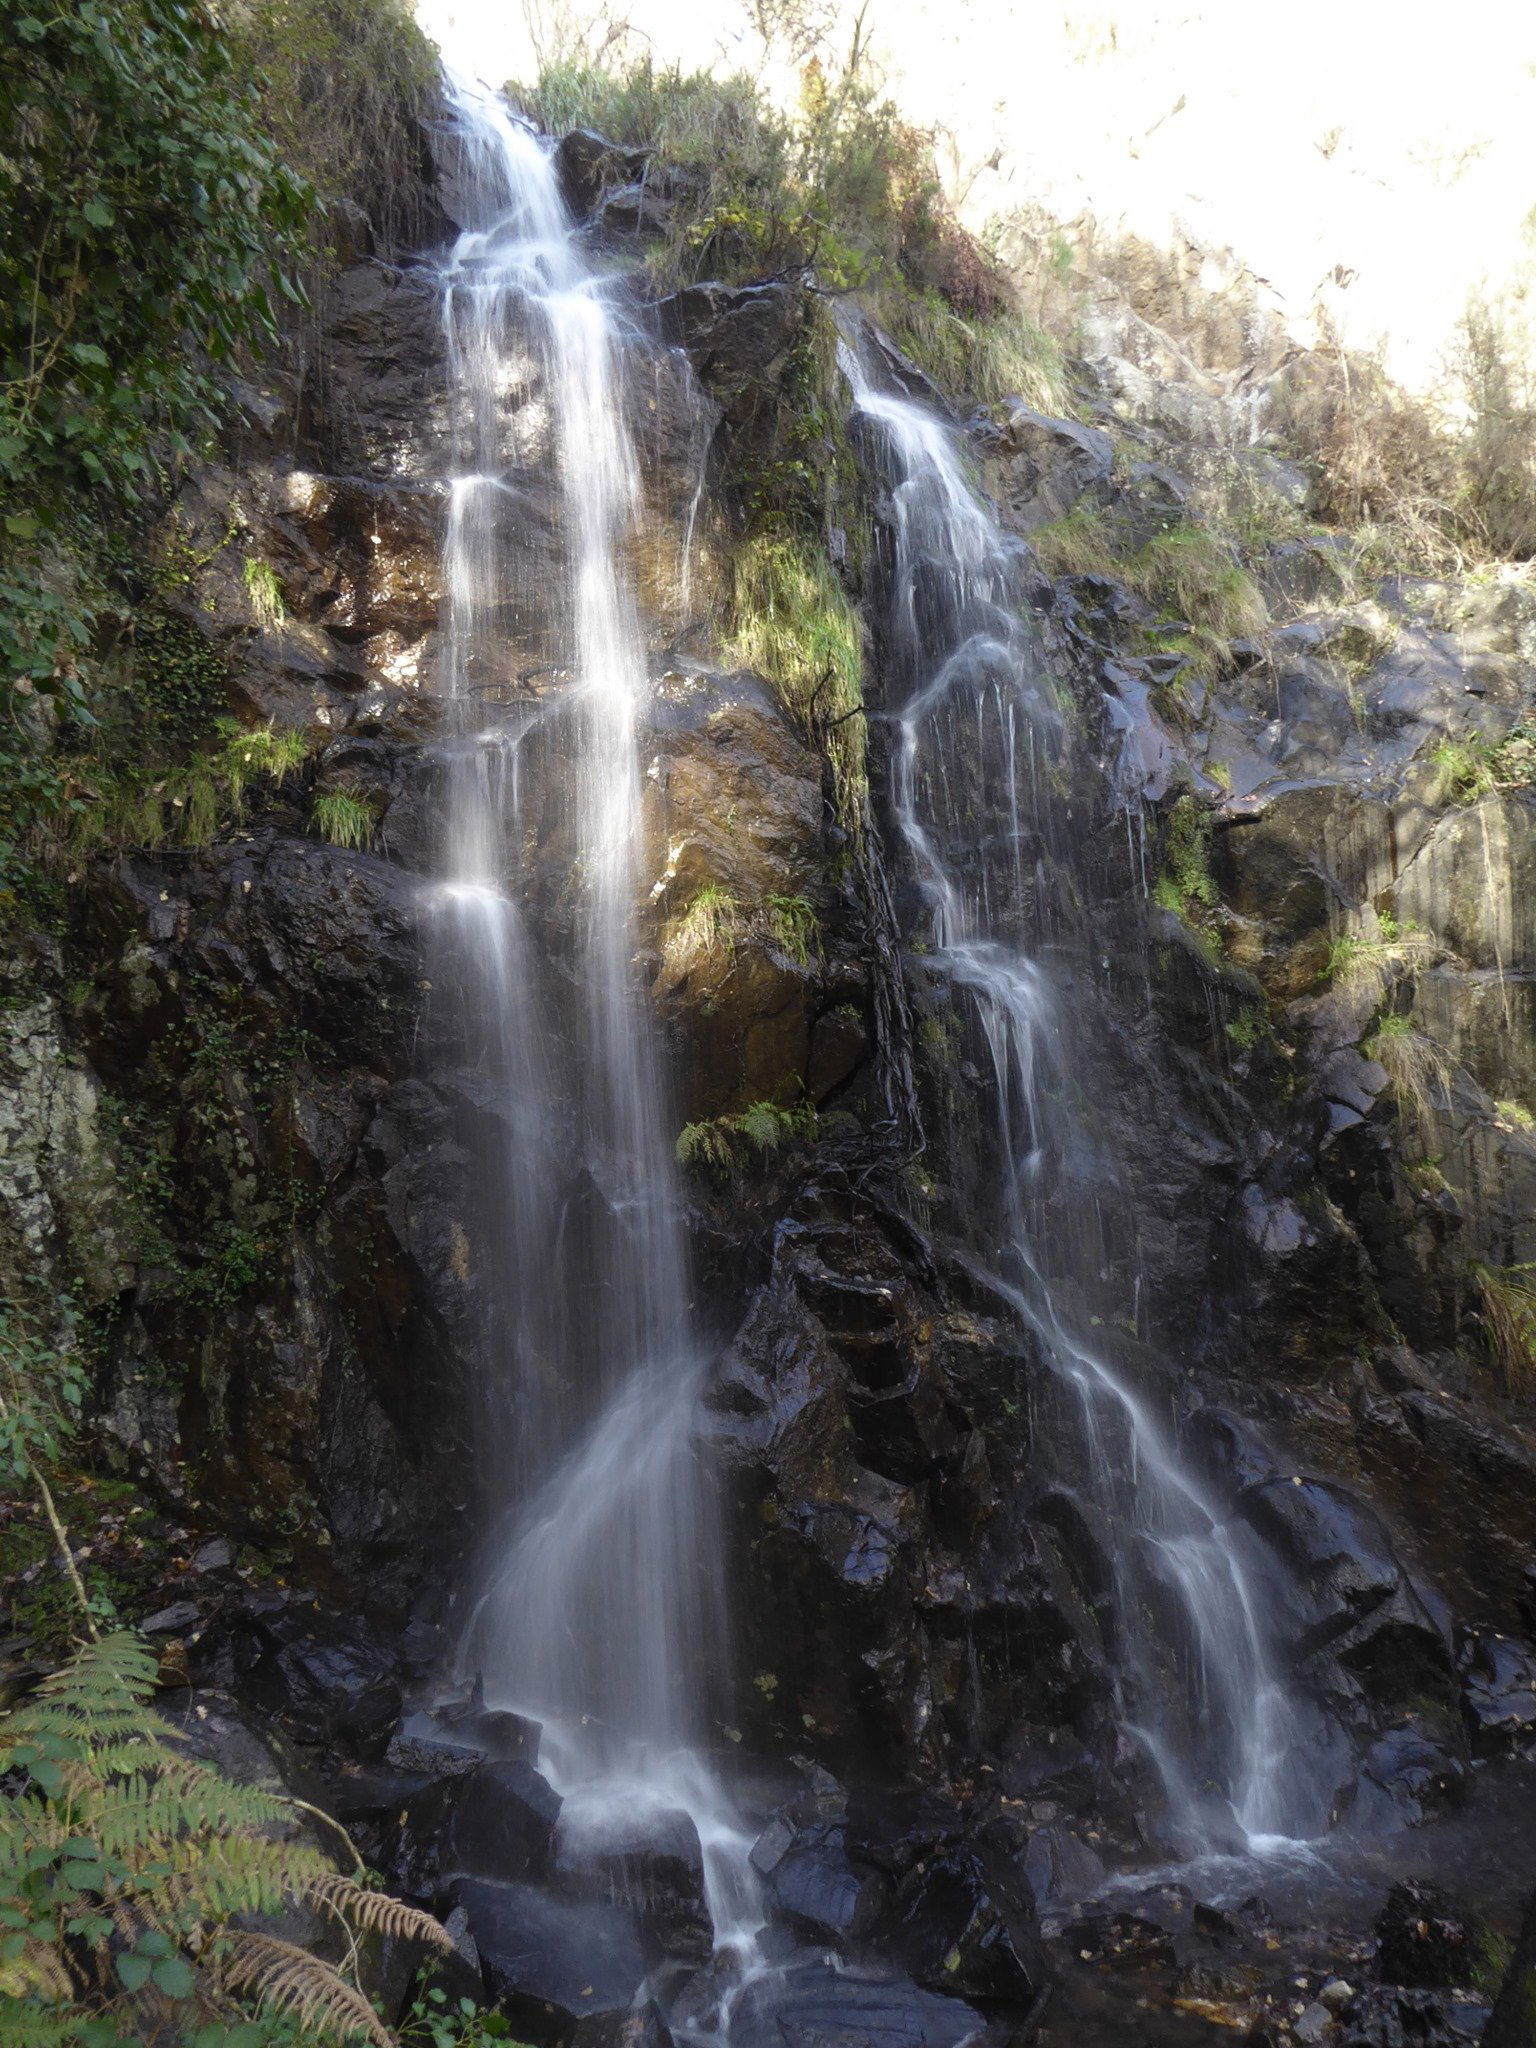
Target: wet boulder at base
565	1972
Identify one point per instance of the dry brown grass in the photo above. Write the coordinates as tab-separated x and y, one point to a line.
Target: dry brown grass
1507	1296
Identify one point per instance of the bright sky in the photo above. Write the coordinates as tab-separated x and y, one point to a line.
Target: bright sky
1393	143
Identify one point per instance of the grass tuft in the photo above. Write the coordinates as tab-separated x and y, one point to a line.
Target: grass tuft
122	806
988	359
1417	1070
343	819
1367	963
264	591
1508	1298
1188	576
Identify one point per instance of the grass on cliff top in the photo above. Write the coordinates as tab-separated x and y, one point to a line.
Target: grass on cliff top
792	622
839	184
989	358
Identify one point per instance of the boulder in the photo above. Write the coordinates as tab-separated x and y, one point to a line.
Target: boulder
1498	1694
964	1921
1041	468
814	2003
648	1859
1425	1941
325	1687
1394	2018
590	166
564	1971
734	334
810	1885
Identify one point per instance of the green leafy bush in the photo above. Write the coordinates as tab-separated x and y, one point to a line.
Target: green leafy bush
153	236
346	87
152	229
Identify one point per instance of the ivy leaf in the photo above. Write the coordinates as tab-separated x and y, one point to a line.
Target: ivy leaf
98	213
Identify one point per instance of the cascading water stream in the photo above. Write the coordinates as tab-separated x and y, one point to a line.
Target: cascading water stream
600	1612
979	740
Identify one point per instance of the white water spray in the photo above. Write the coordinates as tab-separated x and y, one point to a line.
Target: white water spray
980	736
600	1614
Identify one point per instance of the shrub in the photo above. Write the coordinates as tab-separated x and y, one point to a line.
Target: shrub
150	221
346	87
1494	366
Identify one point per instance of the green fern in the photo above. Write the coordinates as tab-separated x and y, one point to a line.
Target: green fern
728	1143
125	1866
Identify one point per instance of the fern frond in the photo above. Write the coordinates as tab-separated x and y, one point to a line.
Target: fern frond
353	1904
213	1881
292	1980
108	1681
39	1971
30	2025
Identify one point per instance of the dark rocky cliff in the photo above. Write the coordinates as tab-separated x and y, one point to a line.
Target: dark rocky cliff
242	1130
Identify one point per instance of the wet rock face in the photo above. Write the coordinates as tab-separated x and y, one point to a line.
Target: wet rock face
897	1596
744	917
1040	469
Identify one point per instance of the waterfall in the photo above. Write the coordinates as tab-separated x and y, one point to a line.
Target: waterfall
978	761
600	1612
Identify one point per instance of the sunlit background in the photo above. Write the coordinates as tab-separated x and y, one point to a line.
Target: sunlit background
1376	161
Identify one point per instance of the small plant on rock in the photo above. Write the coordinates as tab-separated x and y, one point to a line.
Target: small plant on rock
264	591
1507	1295
1418	1071
792	927
1462	770
343	819
728	1143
